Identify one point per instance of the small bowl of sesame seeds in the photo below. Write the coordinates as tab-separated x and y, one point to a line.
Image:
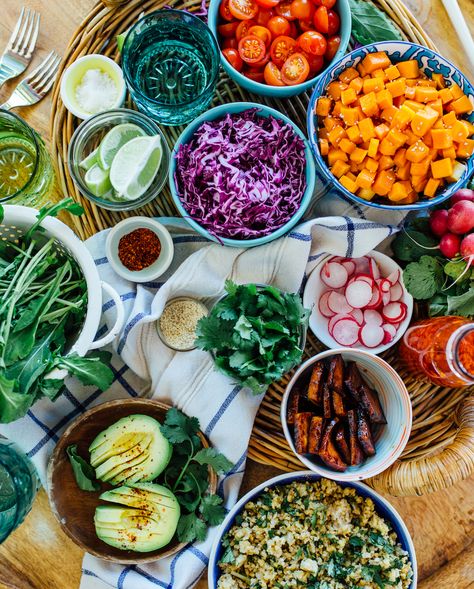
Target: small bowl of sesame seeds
139	249
177	324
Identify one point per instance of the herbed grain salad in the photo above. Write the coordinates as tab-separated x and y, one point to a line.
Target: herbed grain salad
312	534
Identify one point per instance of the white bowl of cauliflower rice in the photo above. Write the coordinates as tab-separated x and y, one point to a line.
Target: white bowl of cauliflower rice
302	530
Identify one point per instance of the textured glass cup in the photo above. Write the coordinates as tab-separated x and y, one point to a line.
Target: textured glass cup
170	61
26	171
18	486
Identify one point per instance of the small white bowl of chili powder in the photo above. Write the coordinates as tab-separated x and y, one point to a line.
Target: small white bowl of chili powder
139	249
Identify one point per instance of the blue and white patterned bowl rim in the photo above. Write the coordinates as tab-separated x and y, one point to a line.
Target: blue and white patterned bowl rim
382	507
431	62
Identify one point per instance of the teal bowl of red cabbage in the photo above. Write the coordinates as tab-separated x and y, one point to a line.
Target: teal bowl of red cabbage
242	174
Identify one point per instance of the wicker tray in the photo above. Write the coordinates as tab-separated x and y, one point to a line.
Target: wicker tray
441	448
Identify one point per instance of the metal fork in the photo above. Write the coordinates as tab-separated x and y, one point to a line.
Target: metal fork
35	86
21	45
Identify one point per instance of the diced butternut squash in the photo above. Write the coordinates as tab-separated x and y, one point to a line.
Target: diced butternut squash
380	73
348	96
370	163
383	182
336	134
449	119
459	131
402	117
347	145
400	156
367	129
349	184
335	88
366	193
458	170
373	85
465	149
365	179
357	84
439	80
431	187
358	155
392	72
451	153
384	99
376	61
409	68
323	146
349	115
399	191
381	130
368	104
348	74
385	162
397	87
425	94
336	154
414	105
354	134
436	105
389	113
461	105
337	109
441	138
420	168
445	95
323	106
423	121
442	168
330	122
387	148
396	137
456	90
417	152
412	138
373	147
403	172
410	92
340	168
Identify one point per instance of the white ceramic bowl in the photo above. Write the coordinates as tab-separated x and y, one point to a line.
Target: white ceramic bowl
74	73
382	507
318	324
158	267
390	439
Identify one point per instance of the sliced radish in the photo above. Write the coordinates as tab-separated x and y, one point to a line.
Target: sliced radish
374	269
385	285
358	315
394	312
385	298
366	277
334	275
394	277
323	305
396	292
390	333
373	317
349	266
335	319
358	293
346	332
362	264
371	335
338	303
376	299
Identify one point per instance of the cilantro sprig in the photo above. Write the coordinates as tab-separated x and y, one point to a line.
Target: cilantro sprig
188	476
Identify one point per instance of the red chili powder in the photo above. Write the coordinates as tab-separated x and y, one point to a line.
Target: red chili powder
139	249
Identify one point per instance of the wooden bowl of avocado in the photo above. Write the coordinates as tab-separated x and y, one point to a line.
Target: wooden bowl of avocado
125	517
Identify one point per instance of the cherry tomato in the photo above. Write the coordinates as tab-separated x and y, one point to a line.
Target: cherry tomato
243	28
312	42
293	30
284	9
295	70
333	45
224	10
327	3
334	22
306	24
272	75
262	33
251	49
326	21
267	3
233	57
243	9
279	25
263	16
255	75
282	47
301	8
229	29
315	62
229	43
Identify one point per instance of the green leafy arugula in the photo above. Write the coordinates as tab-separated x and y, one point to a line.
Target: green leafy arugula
370	24
83	471
187	476
254	333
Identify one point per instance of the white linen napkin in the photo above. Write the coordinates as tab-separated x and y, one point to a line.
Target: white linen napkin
143	366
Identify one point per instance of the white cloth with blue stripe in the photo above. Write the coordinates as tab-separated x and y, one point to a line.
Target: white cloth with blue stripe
226	413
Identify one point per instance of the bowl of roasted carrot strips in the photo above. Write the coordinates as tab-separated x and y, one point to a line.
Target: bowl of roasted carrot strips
391	125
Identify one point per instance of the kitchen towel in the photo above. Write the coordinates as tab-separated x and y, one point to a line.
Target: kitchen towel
143	366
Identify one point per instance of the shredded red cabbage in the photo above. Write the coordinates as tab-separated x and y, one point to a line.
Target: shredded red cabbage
242	176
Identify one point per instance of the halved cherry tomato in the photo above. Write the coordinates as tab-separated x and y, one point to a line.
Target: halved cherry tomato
262	33
306	24
229	29
312	42
233	57
263	16
334	22
295	70
333	45
326	21
301	8
251	49
327	3
224	10
272	75
282	47
243	28
243	9
315	62
284	9
293	29
230	43
255	75
279	25
267	3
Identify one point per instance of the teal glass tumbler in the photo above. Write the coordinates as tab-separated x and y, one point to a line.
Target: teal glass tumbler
19	484
170	61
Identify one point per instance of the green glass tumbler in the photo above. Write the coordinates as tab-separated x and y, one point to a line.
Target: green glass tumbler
19	484
26	171
170	61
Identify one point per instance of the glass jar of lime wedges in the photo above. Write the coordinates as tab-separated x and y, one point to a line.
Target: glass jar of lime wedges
26	171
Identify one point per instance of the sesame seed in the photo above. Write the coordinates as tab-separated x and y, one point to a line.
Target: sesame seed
178	322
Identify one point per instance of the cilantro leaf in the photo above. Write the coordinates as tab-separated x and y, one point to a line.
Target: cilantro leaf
190	528
179	428
217	461
243	327
213	332
83	471
423	279
212	509
462	304
409	245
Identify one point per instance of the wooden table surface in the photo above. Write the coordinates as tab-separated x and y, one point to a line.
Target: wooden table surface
39	556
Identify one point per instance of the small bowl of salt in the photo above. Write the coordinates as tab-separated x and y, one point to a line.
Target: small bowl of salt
92	84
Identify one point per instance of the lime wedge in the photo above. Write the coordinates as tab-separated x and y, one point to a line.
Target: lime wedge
90	160
135	166
114	140
97	180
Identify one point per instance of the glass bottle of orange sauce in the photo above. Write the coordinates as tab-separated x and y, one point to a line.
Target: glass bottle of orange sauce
441	348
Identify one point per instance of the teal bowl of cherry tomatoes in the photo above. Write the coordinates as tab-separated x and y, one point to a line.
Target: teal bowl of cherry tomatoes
279	48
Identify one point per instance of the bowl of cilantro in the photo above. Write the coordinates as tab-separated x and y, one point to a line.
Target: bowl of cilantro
256	333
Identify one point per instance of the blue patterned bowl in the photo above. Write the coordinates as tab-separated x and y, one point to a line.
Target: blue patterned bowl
382	507
431	63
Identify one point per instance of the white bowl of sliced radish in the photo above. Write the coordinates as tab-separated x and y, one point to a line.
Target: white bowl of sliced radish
358	303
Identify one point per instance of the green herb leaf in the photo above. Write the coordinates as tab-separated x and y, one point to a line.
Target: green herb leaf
228	556
66	204
370	24
51	387
2	213
13	405
212	509
190	528
83	471
178	427
423	279
463	304
410	245
455	268
217	461
90	370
